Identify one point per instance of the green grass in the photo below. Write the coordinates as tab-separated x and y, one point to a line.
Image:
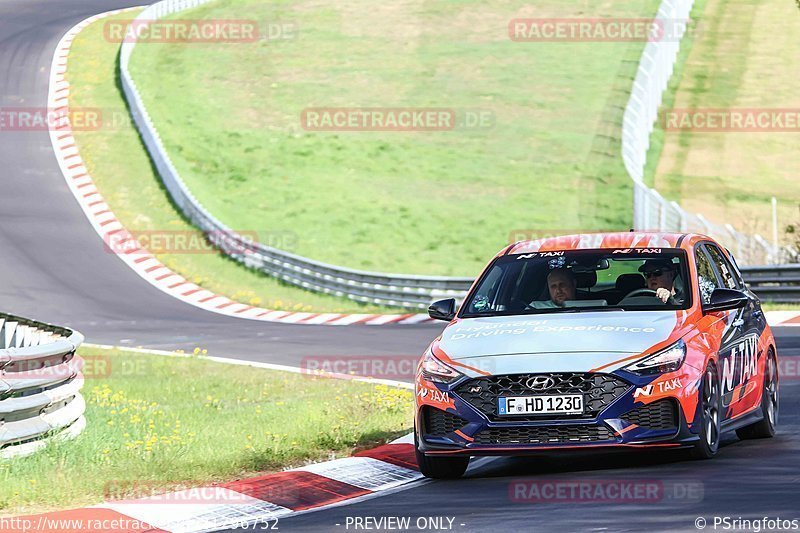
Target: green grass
156	421
775	306
123	173
743	57
434	202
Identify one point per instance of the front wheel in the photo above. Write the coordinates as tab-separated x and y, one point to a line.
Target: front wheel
765	428
710	403
440	467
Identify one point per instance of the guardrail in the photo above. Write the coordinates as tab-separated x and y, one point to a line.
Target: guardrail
40	382
651	211
779	283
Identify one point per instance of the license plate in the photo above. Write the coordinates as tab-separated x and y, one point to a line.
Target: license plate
562	404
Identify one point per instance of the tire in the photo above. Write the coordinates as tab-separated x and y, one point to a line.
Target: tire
765	428
440	467
710	403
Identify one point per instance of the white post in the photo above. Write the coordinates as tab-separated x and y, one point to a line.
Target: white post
681	217
737	239
775	225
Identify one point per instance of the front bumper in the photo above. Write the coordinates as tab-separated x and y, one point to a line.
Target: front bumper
622	410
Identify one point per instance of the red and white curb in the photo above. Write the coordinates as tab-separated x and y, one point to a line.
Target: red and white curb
141	261
783	318
246	502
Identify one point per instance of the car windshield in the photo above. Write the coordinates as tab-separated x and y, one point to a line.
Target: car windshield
576	280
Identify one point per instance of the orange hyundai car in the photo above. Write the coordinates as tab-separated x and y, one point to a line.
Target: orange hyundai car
601	340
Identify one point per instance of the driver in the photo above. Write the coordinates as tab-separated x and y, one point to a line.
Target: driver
659	276
561	284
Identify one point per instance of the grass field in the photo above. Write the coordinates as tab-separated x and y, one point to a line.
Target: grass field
156	421
416	202
746	56
122	171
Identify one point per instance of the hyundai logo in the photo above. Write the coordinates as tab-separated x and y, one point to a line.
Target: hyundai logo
540	383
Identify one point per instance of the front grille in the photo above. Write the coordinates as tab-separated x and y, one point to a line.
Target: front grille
660	414
599	391
544	434
440	423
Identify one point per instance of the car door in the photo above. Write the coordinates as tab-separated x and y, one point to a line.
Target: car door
739	349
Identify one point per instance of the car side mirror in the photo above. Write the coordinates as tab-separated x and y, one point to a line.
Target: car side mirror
725	299
443	309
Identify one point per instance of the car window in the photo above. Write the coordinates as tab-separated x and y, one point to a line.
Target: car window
724	268
485	294
563	280
737	272
707	279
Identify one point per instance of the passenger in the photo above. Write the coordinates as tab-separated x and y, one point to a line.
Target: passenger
660	276
561	284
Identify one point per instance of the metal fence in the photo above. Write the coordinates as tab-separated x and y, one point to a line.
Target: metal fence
778	283
40	382
651	211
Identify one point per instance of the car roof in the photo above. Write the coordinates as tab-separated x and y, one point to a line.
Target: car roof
611	241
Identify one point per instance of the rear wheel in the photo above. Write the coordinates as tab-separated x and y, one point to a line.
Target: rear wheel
765	428
710	406
440	467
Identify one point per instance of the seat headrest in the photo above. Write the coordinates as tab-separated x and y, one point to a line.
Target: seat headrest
584	280
629	282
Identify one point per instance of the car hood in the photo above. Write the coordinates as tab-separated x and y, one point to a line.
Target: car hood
568	342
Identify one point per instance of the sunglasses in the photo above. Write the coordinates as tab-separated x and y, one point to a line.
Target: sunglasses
654	273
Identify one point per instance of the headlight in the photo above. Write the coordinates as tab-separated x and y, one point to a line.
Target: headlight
667	360
435	370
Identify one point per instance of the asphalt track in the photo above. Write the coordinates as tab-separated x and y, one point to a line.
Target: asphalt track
53	267
747	479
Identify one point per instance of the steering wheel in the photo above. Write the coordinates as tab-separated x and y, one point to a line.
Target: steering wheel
517	303
641	292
